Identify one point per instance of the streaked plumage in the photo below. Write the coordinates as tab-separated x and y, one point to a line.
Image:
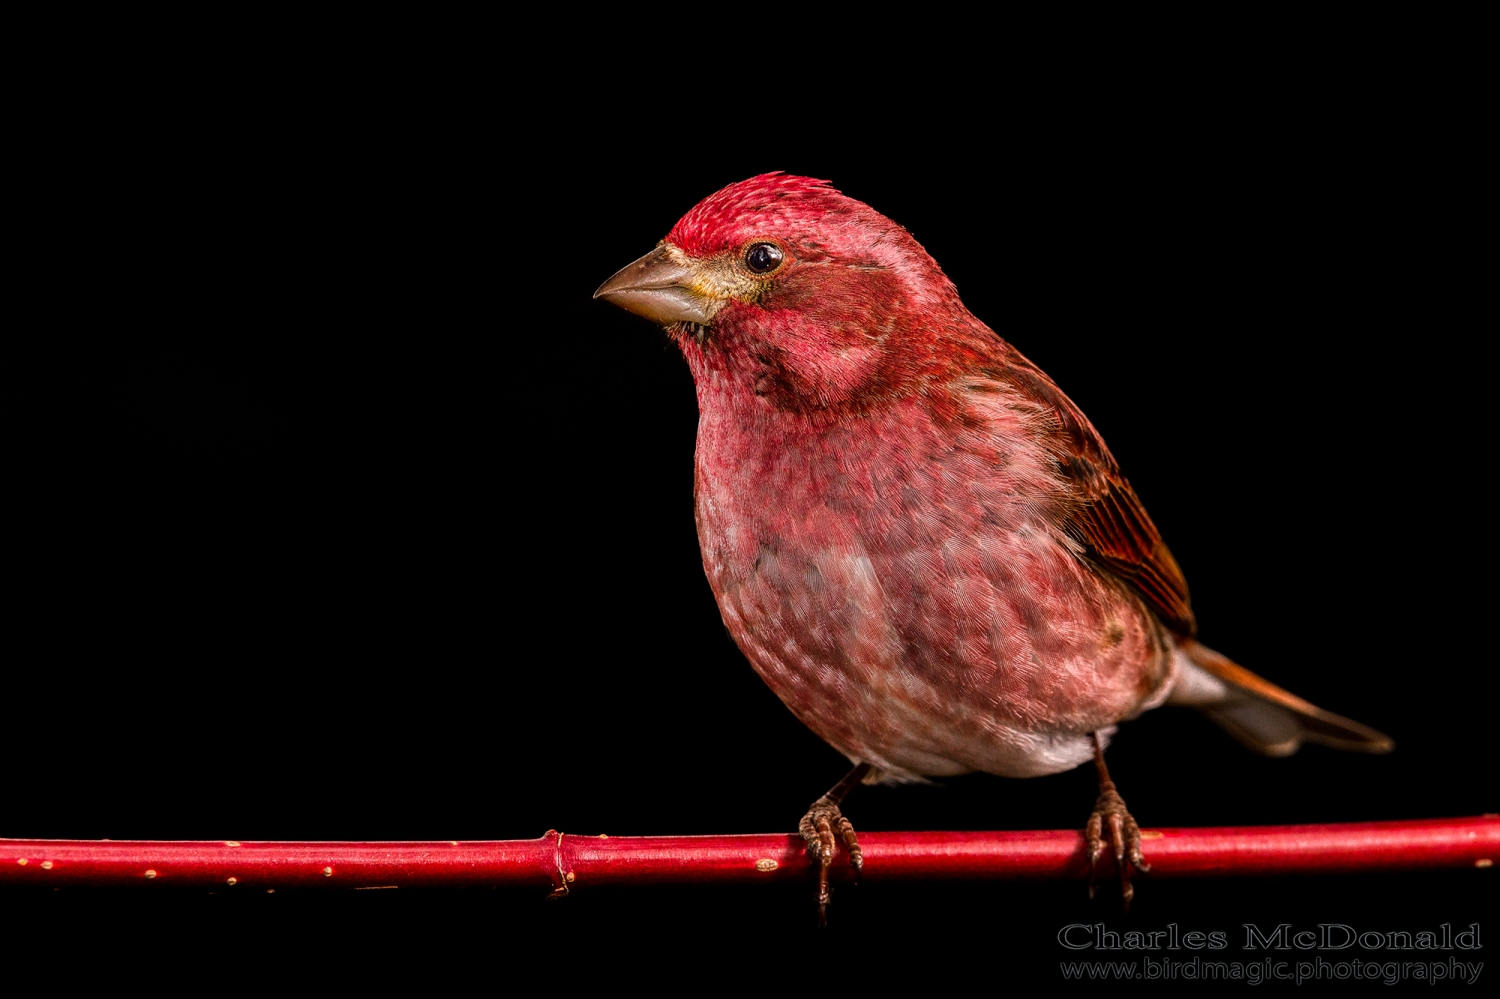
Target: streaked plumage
915	537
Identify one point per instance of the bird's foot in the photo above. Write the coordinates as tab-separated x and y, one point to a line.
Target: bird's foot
819	827
1124	836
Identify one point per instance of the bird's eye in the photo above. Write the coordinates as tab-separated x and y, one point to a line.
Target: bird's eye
762	258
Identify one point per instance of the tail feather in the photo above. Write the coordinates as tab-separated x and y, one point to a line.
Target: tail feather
1262	716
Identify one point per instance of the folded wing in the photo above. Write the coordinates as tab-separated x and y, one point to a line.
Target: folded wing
1104	515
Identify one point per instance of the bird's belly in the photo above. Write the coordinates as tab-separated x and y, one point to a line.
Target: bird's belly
937	662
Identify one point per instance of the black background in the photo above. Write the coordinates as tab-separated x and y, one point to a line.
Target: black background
344	513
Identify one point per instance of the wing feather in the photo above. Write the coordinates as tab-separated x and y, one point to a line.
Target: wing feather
1103	514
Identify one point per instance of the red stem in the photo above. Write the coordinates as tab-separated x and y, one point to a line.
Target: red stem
547	862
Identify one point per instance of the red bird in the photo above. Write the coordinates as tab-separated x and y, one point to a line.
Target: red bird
913	535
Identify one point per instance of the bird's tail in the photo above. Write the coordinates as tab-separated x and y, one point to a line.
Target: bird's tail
1262	716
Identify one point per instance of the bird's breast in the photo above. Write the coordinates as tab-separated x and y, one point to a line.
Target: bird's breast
910	600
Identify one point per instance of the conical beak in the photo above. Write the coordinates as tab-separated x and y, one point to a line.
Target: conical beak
659	288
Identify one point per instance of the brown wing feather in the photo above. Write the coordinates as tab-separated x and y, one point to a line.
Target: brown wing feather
1106	516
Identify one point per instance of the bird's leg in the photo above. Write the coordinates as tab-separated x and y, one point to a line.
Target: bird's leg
818	827
1124	834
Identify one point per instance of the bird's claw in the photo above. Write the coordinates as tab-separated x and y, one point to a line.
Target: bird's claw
822	827
1124	836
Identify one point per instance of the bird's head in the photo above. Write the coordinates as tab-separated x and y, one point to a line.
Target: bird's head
787	289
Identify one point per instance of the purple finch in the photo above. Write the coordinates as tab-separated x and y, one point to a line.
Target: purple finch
914	536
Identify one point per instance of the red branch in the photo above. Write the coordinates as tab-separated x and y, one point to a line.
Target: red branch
564	862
